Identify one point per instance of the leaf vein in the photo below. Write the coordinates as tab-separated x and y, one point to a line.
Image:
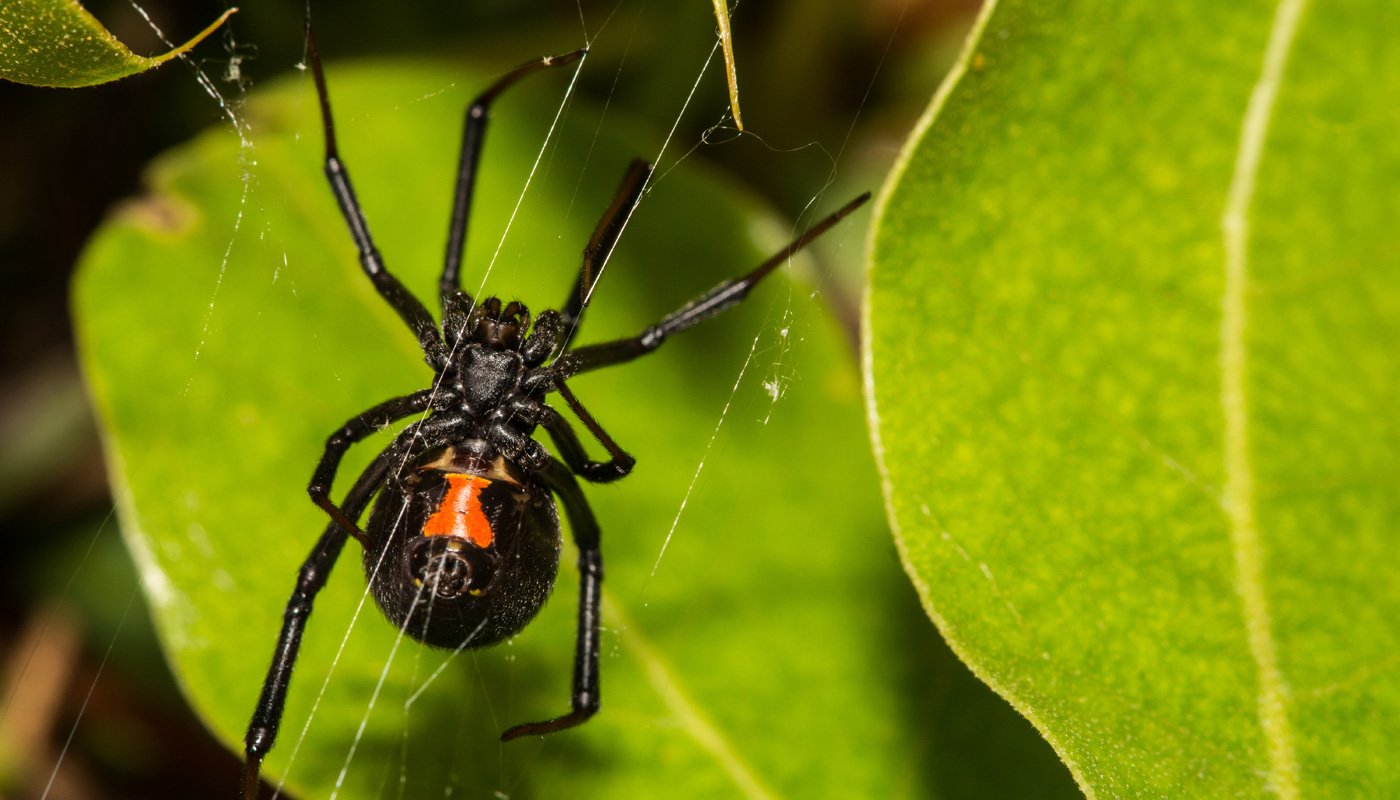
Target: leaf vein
1273	700
691	720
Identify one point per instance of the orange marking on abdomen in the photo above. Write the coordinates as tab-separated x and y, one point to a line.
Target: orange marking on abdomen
460	513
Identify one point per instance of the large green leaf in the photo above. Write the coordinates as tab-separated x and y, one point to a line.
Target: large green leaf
1133	367
774	649
58	43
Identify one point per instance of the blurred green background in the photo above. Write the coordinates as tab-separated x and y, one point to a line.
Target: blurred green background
817	79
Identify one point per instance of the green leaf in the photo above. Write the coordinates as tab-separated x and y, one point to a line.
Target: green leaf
773	650
1132	362
58	43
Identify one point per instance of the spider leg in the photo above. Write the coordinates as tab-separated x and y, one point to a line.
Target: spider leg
711	303
409	308
473	133
601	244
585	696
354	430
620	463
262	730
544	340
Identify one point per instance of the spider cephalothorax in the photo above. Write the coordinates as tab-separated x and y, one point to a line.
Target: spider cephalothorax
462	547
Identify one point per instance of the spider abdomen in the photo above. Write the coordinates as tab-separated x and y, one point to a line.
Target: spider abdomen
461	558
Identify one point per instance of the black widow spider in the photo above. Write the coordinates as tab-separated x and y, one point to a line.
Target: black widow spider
462	547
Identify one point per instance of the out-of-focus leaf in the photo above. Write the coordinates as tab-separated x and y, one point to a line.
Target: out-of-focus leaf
58	43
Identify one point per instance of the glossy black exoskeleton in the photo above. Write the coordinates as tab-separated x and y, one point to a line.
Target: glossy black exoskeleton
447	590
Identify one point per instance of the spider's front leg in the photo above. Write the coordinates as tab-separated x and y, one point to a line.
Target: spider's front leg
469	159
408	307
717	300
601	244
585	696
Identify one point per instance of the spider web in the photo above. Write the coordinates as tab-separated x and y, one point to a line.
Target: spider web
764	367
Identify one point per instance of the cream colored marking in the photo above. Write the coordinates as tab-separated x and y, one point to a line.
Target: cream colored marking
1239	502
451	462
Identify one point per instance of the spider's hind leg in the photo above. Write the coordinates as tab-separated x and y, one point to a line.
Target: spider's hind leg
584	697
267	716
355	429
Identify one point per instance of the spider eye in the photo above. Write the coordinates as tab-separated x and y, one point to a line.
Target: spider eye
450	567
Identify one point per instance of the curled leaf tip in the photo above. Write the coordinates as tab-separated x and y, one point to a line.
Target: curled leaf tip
60	44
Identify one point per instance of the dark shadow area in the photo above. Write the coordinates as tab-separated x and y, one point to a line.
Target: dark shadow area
984	747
